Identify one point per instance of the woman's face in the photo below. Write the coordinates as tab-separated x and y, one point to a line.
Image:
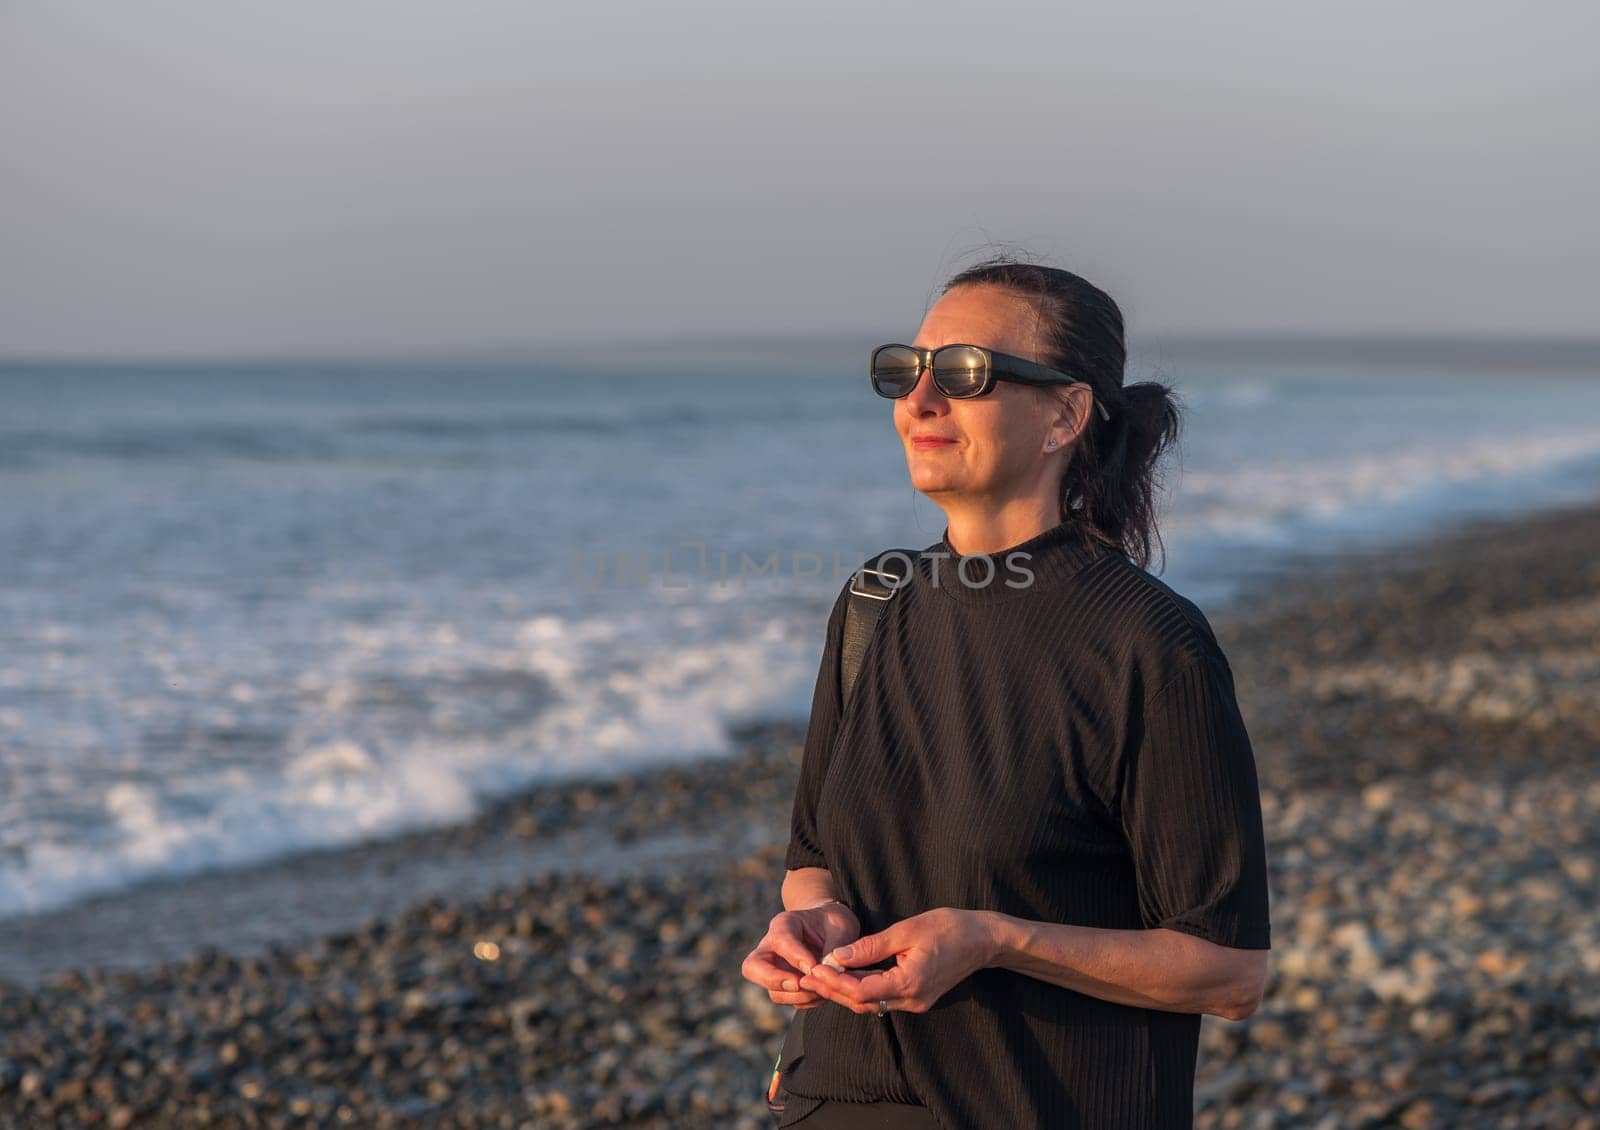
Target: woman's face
998	453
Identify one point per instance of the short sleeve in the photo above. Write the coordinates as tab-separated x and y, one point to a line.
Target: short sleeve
826	708
1190	807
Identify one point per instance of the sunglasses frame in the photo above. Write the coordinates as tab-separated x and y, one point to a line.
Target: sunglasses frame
997	366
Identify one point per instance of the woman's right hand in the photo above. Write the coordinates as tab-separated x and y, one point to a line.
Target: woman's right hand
795	941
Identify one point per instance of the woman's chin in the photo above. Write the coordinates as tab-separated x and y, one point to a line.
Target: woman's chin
933	469
934	483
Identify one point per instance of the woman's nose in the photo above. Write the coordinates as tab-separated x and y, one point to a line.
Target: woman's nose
924	394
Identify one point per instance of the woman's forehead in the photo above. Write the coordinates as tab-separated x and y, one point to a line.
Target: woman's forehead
982	315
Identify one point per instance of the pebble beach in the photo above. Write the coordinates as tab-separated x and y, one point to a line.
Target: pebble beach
1426	721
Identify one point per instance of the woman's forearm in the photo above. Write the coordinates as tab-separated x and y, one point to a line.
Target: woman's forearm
807	886
1158	968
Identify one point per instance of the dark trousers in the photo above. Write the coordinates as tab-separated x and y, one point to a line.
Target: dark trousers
836	1115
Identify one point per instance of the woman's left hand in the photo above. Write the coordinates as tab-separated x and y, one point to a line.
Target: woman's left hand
933	952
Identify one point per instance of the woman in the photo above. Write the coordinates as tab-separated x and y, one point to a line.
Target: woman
1028	856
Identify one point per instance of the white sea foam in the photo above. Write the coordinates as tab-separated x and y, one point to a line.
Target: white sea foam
616	701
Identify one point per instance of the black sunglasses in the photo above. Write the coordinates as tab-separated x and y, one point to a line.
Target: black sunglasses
959	371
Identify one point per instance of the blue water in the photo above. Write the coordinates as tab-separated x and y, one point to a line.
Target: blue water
253	608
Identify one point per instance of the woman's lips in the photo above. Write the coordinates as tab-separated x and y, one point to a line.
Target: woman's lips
924	442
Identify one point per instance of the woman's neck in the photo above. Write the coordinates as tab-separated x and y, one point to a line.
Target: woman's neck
990	531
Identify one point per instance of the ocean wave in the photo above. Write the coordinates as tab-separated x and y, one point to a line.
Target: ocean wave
612	697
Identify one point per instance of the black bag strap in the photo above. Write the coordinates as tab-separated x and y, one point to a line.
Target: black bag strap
871	587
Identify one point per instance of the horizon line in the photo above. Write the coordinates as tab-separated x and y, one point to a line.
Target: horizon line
1237	344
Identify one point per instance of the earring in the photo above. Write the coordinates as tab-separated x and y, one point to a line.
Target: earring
1052	442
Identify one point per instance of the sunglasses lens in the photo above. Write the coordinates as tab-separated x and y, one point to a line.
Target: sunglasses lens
959	370
894	370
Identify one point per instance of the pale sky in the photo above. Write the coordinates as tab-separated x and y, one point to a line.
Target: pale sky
202	178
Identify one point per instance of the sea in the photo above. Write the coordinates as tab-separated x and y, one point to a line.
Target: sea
250	608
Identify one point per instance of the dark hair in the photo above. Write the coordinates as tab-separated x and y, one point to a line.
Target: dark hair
1111	480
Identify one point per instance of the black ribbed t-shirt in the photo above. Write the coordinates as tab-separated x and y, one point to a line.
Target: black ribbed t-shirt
1062	744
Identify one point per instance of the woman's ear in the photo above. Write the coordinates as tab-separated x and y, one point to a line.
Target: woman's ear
1068	413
